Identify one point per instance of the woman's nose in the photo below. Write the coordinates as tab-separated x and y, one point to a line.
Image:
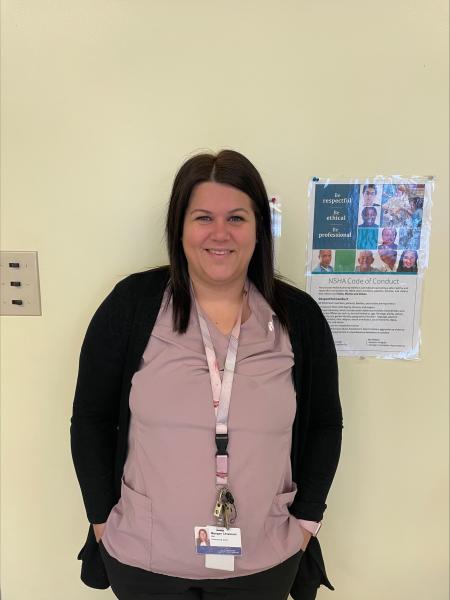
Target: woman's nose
220	230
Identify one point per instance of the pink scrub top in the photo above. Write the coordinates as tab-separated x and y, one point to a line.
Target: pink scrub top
169	483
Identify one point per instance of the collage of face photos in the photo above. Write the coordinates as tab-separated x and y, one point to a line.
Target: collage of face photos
387	228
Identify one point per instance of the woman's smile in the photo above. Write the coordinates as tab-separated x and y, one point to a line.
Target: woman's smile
217	252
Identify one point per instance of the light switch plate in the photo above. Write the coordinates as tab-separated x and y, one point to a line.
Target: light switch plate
19	284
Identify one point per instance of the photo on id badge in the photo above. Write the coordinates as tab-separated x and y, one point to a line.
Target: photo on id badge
218	540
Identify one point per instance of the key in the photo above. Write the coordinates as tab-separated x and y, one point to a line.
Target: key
220	519
219	503
218	509
227	515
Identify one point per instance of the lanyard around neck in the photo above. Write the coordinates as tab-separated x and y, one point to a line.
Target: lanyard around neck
221	389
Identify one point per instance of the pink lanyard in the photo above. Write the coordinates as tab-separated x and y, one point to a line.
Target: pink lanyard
221	390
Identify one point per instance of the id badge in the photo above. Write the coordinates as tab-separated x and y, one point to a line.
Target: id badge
219	545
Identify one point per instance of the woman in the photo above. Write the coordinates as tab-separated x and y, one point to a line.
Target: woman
210	365
202	539
408	262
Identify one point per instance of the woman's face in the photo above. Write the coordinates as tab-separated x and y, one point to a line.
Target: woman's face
203	536
409	260
219	233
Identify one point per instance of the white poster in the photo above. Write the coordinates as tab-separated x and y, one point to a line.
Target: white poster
367	253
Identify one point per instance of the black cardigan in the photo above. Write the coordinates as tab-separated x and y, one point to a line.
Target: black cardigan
111	352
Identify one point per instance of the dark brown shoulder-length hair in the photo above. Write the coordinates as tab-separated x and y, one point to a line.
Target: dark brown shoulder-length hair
231	168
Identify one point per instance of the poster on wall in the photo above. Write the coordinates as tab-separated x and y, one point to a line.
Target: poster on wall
366	257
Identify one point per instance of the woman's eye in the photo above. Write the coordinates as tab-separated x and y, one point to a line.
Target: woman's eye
207	218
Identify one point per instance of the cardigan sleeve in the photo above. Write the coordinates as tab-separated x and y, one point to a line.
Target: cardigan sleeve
322	412
94	422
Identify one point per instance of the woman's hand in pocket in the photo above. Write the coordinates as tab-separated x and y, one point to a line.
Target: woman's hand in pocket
98	530
306	538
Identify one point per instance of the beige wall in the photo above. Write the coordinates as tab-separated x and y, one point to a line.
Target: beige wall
101	102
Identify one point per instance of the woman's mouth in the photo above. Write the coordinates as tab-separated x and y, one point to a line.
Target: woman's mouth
218	252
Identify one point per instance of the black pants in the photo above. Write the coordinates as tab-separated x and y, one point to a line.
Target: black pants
132	583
